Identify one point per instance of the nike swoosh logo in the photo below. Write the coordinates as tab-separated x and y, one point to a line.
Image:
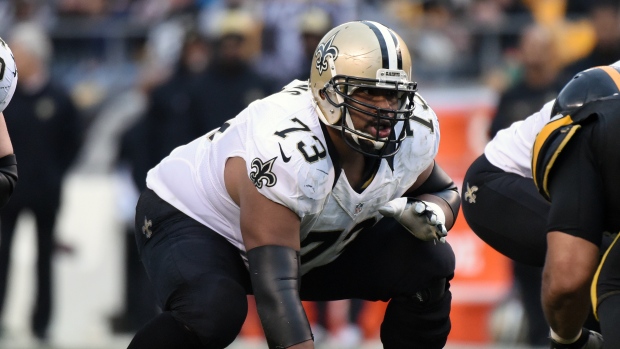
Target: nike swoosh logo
284	157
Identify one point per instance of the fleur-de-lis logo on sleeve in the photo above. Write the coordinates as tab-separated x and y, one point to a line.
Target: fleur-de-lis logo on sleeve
325	50
146	228
469	194
261	173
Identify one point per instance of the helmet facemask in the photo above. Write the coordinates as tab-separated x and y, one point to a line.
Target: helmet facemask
355	63
340	92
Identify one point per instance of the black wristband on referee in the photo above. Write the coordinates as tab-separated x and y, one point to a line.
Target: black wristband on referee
274	271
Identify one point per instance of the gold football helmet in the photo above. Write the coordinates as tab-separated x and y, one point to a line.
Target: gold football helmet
368	55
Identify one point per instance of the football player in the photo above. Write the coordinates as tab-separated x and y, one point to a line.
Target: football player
575	167
326	190
500	182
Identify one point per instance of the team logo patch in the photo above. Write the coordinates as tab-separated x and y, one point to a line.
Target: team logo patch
146	228
358	208
261	173
325	50
470	195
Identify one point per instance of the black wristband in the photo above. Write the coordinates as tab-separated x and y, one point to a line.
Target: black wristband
274	271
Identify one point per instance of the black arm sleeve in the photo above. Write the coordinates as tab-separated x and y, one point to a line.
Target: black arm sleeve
8	177
274	271
441	185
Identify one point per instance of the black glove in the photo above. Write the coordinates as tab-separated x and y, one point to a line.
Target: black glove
587	340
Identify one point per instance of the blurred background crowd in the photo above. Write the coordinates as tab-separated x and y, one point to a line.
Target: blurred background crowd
109	87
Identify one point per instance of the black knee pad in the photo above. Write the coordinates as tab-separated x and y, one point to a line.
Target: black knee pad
164	332
432	294
214	313
418	321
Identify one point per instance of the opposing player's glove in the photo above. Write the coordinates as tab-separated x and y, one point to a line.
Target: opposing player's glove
425	220
587	340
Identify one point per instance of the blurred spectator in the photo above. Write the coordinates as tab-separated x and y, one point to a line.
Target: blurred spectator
444	45
170	119
281	53
605	18
230	82
46	134
82	7
496	25
153	11
577	9
537	82
313	25
15	11
212	14
505	18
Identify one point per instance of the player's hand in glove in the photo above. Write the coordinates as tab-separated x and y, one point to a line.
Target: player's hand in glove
587	340
425	220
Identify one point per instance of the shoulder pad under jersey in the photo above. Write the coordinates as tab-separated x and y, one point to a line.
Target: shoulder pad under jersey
419	149
288	162
556	134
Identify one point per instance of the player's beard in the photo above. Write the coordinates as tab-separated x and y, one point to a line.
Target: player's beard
369	147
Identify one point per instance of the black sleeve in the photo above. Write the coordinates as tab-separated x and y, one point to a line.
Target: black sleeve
577	192
8	177
275	275
440	184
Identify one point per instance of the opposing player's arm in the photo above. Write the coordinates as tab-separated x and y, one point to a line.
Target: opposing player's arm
271	236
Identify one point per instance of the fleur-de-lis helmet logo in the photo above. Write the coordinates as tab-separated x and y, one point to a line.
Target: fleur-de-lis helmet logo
325	50
261	174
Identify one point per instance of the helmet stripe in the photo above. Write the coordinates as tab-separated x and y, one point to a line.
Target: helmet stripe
399	55
613	74
388	48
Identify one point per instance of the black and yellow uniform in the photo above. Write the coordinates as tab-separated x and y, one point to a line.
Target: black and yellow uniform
575	166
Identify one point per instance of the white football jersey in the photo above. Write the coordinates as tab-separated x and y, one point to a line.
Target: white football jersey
284	147
511	148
